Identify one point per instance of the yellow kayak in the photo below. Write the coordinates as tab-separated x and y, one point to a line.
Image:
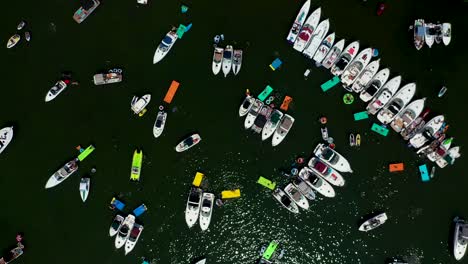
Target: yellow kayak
13	41
136	165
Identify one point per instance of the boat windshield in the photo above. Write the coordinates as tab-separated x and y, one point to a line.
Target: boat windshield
464	231
194	197
206	203
275	117
167	41
135	170
246	104
320	167
341	64
158	123
227	54
123	231
394	108
188	141
115	225
285	201
328	154
260	121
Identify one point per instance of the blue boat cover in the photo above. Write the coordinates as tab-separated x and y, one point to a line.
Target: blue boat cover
424	173
117	204
167	40
140	210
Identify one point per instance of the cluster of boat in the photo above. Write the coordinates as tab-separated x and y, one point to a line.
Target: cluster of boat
390	101
425	32
263	119
199	208
126	230
13	40
226	59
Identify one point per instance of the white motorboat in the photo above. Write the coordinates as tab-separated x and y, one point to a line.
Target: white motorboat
440	151
116	224
85	183
449	158
227	59
446	33
460	238
192	210
326	172
252	114
373	223
419	33
62	174
316	38
324	48
332	158
246	105
316	182
293	192
345	58
261	119
416	125
365	77
285	201
307	31
133	237
124	231
165	46
353	70
138	104
282	130
397	103
374	86
107	78
408	115
427	132
384	95
6	135
206	210
21	25
429	34
217	60
188	143
304	188
272	123
236	61
55	90
333	55
13	40
298	22
159	124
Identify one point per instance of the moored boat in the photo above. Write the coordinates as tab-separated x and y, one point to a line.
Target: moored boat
192	209
416	125
332	158
333	55
374	86
85	184
384	95
326	172
116	224
227	60
236	61
352	140
252	113
316	182
393	107
124	231
408	115
307	31
13	40
133	237
107	78
429	36
6	135
27	36
446	33
262	119
21	25
345	58
298	22
55	90
85	10
365	77
217	60
160	123
282	130
285	200
188	143
427	132
62	174
137	105
246	105
355	67
324	48
419	33
165	46
206	210
316	39
294	193
449	158
440	150
272	123
460	238
304	188
373	222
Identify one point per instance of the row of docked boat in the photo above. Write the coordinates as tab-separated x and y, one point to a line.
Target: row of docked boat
199	208
391	103
265	120
227	59
127	232
429	33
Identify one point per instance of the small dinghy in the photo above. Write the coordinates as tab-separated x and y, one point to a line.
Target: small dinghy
332	158
419	33
135	234
62	174
227	60
262	119
316	182
333	55
27	36
295	195
21	25
345	58
307	31
446	33
374	86
124	231
298	22
282	130
272	123
393	107
252	114
13	41
373	222
246	105
304	188
285	201
460	238
188	143
165	46
192	209
206	210
429	34
408	115
217	60
365	77
324	48
352	140
427	132
324	132
159	124
354	68
116	224
85	183
138	104
6	135
384	95
326	172
236	61
449	158
442	91
358	140
55	90
316	38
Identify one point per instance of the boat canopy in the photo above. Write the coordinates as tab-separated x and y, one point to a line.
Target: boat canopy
321	167
194	196
464	231
167	41
227	54
327	154
287	123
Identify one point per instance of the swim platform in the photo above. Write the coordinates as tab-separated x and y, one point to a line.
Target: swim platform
266	92
140	210
330	83
229	194
285	105
86	152
171	92
180	31
266	182
117	204
198	179
395	167
379	129
424	173
360	116
276	64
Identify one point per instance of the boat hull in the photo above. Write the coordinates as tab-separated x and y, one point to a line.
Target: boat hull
6	135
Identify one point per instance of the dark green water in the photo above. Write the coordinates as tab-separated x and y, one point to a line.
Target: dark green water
59	228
